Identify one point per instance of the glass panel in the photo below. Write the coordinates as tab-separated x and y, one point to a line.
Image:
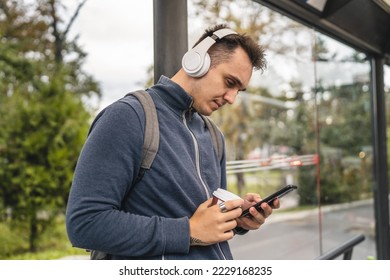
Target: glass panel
304	121
282	145
345	146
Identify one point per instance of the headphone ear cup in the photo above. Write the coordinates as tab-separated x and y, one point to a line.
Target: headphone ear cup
194	65
191	62
205	67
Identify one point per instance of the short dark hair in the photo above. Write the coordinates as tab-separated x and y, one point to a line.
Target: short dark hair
222	50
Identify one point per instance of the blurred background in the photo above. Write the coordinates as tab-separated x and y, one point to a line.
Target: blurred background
308	120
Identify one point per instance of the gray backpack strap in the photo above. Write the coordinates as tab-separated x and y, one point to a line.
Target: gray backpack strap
216	136
151	133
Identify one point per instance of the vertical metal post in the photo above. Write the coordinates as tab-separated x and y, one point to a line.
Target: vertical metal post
170	36
381	182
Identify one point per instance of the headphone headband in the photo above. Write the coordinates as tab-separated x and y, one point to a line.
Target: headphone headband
224	32
196	62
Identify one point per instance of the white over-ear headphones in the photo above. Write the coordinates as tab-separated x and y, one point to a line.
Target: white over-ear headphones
196	62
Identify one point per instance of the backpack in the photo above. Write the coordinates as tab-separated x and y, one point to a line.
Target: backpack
151	144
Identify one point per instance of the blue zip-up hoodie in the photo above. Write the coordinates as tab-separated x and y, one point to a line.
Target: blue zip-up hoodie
153	222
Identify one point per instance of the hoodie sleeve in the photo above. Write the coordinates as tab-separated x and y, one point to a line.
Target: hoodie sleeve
108	163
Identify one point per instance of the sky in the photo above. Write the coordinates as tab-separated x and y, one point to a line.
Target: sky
118	38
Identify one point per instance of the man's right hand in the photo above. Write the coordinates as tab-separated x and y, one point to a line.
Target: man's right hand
209	225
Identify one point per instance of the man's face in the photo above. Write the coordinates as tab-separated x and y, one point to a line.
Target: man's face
222	83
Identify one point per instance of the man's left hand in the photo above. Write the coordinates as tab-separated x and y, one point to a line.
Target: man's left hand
257	218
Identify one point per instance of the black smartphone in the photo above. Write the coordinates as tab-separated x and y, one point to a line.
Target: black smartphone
270	199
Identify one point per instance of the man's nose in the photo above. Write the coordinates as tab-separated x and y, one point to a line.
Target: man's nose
230	96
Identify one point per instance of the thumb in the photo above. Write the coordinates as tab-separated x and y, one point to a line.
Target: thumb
207	203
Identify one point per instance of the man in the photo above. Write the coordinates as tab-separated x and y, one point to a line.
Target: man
168	214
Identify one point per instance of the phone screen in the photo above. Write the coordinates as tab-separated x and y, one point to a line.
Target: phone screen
270	199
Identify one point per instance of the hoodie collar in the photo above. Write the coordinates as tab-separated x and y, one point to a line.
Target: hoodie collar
173	95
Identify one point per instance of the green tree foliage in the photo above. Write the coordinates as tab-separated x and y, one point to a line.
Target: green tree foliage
43	119
346	140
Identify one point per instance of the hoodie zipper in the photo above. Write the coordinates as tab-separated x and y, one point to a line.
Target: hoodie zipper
197	163
197	160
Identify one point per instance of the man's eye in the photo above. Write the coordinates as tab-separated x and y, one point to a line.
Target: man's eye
230	83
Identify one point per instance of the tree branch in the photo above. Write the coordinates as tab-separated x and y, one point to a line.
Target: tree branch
76	13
